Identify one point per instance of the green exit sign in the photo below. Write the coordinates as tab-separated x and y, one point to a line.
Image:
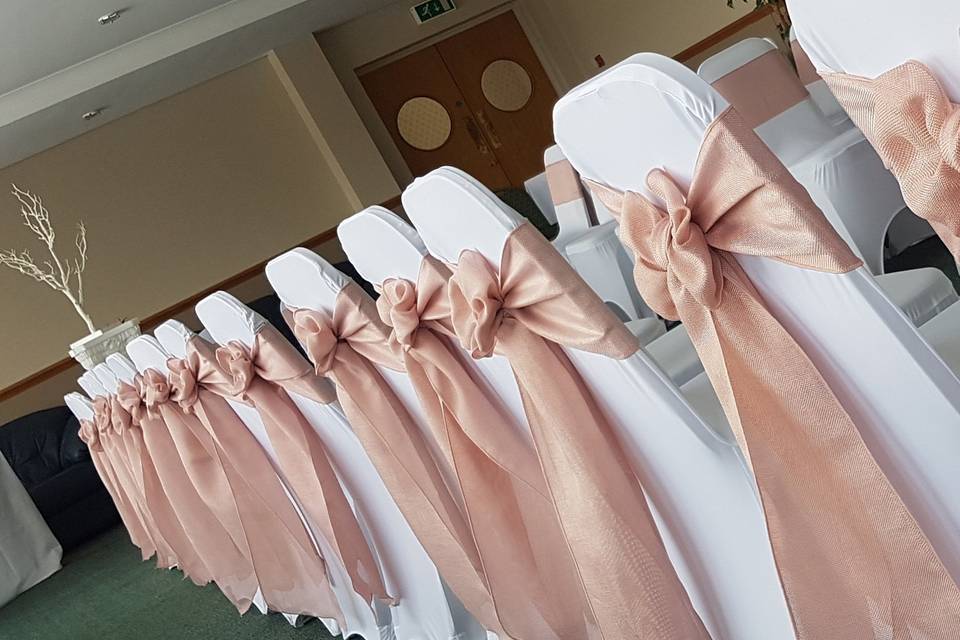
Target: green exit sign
431	9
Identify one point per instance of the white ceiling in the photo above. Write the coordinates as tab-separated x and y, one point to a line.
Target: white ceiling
58	62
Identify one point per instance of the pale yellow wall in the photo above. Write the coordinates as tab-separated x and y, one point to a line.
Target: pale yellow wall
176	197
567	35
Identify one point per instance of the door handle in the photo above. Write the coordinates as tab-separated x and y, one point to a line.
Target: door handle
474	132
488	127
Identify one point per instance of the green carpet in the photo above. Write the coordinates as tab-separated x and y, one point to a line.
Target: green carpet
104	592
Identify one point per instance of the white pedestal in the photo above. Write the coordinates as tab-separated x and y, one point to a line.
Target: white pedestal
94	349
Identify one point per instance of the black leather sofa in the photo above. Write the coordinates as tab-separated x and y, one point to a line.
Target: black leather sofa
54	465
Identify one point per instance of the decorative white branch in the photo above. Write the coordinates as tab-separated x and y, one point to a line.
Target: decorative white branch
56	273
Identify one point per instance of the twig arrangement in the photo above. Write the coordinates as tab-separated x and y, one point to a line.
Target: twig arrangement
63	276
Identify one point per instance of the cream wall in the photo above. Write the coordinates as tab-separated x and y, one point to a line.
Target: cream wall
567	35
176	197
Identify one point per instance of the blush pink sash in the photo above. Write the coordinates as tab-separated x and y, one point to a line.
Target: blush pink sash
532	579
290	571
347	348
198	490
915	128
173	503
90	435
852	560
781	88
123	463
528	312
261	376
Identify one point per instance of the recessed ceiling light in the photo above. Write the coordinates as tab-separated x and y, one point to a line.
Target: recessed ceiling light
90	115
110	18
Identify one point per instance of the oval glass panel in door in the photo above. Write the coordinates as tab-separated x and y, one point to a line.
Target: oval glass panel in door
424	123
506	85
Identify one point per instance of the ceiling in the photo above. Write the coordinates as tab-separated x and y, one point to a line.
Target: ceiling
59	62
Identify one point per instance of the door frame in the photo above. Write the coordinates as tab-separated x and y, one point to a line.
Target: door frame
560	84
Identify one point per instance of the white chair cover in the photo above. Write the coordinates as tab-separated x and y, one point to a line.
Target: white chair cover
538	190
906	401
711	521
821	95
843	174
91	385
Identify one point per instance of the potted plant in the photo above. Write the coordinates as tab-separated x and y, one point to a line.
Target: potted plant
65	276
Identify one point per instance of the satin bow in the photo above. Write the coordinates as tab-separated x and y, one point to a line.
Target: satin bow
397	306
101	414
182	378
315	332
154	391
120	418
128	395
237	363
476	304
674	247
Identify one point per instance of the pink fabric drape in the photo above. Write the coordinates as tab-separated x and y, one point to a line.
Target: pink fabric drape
90	435
123	462
173	502
852	560
347	348
528	312
781	89
533	581
915	128
290	571
261	376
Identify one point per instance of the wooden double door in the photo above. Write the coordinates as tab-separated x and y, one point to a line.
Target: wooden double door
479	100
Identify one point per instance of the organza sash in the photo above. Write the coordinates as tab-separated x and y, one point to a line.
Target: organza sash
852	560
533	582
291	573
261	376
528	312
915	128
176	508
90	434
124	460
347	348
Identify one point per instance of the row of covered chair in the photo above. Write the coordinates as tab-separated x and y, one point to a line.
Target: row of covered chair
488	450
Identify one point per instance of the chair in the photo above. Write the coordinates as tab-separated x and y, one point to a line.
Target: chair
902	397
921	44
841	171
819	91
658	432
538	190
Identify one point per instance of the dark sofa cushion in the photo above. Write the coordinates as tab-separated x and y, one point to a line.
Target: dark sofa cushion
54	465
35	448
